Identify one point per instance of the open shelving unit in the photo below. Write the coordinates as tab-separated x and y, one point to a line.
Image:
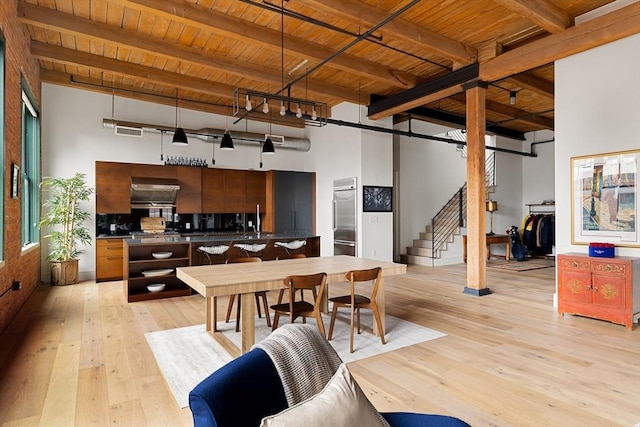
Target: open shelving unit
138	258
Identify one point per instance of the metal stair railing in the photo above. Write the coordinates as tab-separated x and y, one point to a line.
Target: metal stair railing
448	219
453	214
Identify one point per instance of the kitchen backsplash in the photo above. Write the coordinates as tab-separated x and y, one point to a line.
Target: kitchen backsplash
123	224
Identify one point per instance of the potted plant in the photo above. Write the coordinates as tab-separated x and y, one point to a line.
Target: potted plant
67	219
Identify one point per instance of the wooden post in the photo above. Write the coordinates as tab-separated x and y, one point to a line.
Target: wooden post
476	190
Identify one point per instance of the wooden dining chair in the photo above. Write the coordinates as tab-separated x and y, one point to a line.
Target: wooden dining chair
289	256
355	301
314	283
258	295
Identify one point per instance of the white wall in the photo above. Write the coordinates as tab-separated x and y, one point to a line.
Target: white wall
430	172
377	169
73	139
538	177
597	110
345	152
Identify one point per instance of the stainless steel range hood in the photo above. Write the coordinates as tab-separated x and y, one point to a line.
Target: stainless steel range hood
153	192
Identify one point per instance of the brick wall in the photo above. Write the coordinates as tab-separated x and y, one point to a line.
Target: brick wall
19	66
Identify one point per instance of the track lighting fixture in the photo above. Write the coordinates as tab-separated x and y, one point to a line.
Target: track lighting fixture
313	112
512	97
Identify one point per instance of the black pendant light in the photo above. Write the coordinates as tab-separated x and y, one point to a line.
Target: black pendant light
179	136
267	147
227	142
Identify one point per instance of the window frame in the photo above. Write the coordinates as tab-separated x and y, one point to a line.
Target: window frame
30	170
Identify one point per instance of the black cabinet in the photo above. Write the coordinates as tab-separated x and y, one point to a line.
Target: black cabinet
294	196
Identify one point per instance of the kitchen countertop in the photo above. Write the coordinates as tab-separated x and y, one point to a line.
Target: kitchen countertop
212	237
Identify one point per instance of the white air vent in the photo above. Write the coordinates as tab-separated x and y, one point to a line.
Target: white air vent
276	139
128	131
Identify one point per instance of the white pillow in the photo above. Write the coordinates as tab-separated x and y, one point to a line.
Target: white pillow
340	404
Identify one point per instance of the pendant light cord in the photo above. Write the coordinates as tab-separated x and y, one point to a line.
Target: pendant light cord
177	94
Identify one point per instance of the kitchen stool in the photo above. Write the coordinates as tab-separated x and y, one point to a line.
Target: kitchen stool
209	251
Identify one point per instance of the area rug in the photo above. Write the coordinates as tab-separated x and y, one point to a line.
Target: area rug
529	264
188	355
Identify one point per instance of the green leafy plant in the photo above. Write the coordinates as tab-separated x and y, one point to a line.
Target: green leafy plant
63	213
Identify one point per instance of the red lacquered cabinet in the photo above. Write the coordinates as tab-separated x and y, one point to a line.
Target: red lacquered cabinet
602	288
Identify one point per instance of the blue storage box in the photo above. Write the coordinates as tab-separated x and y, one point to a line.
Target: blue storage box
603	250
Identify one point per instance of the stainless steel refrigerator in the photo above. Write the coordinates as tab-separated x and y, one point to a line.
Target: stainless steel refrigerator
345	208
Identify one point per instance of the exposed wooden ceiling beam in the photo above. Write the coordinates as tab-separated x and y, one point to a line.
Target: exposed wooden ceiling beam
509	111
540	12
124	91
535	84
58	21
68	56
398	28
605	29
239	29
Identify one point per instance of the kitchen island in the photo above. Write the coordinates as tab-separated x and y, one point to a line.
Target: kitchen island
153	259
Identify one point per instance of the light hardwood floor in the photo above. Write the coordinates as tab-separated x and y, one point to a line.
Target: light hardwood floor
77	355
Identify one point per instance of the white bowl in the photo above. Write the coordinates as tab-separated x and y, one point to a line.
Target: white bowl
162	255
156	287
161	272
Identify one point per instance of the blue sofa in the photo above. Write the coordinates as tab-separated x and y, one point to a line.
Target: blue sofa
249	388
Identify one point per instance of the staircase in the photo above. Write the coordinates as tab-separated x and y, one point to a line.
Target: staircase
446	224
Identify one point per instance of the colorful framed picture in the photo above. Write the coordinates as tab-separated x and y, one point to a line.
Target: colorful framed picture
604	206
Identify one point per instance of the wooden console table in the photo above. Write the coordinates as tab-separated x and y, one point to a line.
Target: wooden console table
495	239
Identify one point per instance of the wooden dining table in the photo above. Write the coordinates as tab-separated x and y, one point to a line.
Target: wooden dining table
212	281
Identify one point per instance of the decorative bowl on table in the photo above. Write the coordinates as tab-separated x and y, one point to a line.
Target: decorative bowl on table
161	255
156	287
153	273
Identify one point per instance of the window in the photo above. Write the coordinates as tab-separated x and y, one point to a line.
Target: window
30	171
2	146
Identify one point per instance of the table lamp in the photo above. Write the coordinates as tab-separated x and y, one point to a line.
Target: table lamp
491	206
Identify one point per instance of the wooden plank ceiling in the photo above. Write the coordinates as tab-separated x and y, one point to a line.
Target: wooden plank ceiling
201	50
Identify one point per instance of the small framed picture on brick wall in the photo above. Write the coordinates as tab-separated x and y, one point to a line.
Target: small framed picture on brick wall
15	181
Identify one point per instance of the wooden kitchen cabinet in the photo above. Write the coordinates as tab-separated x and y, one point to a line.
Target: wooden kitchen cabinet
234	190
213	190
113	183
113	187
109	259
189	198
601	288
255	193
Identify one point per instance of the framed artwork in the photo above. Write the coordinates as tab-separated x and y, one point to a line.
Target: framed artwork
15	181
377	199
604	205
